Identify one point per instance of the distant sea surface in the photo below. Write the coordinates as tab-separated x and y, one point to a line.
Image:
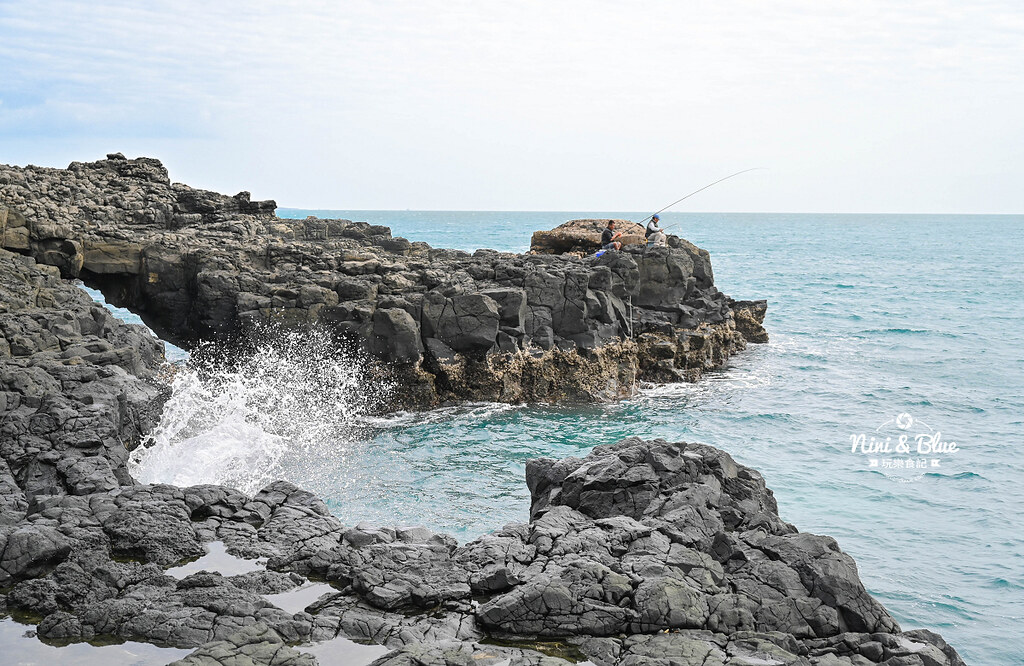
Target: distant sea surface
881	326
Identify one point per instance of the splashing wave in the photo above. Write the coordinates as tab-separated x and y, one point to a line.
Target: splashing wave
241	421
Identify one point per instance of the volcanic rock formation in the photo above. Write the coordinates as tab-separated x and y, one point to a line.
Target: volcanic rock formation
642	552
639	553
447	325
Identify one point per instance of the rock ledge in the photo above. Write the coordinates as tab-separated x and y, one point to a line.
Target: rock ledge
445	325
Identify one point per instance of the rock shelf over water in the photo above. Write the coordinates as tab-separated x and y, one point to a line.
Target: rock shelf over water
640	553
447	325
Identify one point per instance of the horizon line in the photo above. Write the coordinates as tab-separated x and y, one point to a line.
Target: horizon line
703	212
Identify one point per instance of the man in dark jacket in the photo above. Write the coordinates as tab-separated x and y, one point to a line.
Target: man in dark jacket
608	237
652	226
654	233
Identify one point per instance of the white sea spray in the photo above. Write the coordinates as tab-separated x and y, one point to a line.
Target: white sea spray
244	421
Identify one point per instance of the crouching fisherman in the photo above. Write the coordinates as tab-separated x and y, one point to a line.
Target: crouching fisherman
608	237
654	234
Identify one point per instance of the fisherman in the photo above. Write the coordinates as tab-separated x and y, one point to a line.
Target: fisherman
654	233
652	226
608	237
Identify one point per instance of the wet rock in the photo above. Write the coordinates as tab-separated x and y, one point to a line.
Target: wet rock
256	646
495	562
465	654
267	582
404	576
152	523
62	626
297	525
345	615
27	551
559	606
201	608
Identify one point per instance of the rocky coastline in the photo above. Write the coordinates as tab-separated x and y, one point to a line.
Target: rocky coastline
445	325
640	553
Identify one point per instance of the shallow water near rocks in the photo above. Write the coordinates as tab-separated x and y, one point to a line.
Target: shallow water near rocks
20	649
218	560
871	317
343	652
297	600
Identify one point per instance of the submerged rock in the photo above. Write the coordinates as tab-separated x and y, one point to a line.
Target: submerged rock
445	325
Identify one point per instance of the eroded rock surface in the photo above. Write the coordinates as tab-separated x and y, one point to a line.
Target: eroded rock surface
643	552
639	553
583	237
78	389
446	325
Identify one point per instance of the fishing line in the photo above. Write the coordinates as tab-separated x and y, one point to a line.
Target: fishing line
696	192
633	386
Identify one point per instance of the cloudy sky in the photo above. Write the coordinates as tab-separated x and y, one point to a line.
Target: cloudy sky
867	106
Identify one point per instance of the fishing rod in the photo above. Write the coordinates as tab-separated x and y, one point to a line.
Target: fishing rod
695	192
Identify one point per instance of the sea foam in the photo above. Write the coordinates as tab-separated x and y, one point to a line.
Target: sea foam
243	421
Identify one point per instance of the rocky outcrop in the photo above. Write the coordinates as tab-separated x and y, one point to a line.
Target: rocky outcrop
641	552
583	237
446	325
78	389
748	317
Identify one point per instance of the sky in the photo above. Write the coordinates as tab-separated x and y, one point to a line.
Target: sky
867	106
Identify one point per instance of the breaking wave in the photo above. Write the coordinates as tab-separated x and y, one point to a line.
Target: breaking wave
243	421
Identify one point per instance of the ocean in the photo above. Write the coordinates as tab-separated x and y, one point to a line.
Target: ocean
882	327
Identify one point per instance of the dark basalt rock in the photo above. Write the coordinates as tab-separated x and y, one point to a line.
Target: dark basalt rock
250	645
78	388
635	539
651	536
446	325
639	553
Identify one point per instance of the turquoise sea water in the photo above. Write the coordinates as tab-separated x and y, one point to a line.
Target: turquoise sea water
870	316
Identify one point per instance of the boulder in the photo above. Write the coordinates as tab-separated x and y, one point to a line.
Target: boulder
397	335
465	322
583	236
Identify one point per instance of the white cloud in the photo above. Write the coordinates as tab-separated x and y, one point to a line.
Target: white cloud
533	105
